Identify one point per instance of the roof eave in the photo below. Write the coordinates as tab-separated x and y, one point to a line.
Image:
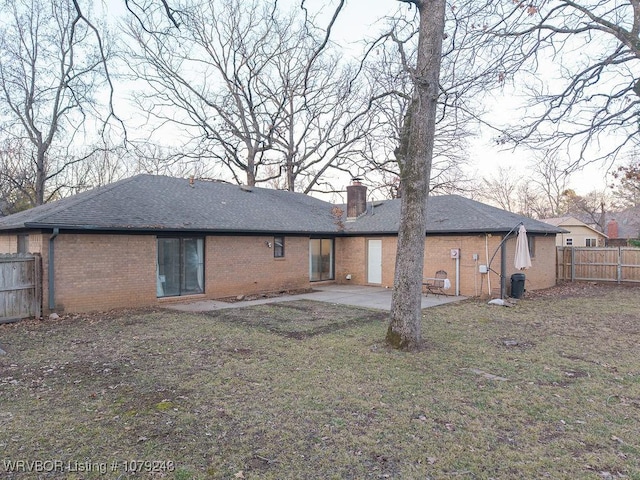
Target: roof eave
163	229
479	231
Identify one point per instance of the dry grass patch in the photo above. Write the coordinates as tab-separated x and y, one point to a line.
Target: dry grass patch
309	390
299	319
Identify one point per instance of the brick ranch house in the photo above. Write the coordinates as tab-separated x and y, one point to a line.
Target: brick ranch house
147	240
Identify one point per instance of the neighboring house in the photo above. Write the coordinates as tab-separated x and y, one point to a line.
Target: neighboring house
149	239
578	233
623	226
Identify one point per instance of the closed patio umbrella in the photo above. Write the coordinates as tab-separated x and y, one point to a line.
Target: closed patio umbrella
522	259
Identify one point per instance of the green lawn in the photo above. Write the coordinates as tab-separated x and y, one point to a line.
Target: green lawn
547	389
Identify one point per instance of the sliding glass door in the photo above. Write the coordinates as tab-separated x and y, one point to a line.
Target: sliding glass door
180	268
320	259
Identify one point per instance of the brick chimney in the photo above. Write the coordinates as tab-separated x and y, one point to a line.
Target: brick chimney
612	229
356	199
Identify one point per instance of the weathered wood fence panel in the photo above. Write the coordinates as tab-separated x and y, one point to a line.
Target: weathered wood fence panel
612	264
630	264
20	287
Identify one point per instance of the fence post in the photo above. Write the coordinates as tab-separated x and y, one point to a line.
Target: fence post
619	269
573	265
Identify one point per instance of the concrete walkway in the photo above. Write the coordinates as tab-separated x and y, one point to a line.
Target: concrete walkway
355	295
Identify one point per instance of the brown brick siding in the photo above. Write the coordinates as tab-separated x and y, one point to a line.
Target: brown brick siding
542	273
245	265
351	259
8	243
438	257
100	272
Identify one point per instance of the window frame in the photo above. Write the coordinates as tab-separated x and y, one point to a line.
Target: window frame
331	260
182	267
278	246
568	242
590	242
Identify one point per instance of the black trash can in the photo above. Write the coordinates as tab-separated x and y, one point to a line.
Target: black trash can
517	285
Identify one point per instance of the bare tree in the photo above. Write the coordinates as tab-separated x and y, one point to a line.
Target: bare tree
542	193
17	180
415	155
250	89
142	9
105	165
508	190
147	157
465	76
202	81
51	67
590	208
580	61
323	113
551	175
529	202
502	189
378	163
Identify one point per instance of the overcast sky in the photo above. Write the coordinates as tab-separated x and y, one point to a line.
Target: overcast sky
361	19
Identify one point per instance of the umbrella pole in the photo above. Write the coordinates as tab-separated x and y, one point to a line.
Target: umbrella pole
503	261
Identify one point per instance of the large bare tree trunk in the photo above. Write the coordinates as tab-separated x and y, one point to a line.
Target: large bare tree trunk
404	328
41	175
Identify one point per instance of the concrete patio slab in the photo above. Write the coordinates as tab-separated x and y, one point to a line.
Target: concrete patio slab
354	295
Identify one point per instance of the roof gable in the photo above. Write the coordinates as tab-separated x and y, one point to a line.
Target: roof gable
568	222
562	221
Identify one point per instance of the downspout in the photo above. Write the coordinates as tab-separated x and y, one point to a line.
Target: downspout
486	247
52	289
503	268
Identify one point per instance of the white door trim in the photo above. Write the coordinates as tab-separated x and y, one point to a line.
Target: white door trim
374	261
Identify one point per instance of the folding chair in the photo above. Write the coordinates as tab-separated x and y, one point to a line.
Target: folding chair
437	284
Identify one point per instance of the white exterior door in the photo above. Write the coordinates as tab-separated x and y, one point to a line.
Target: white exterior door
374	261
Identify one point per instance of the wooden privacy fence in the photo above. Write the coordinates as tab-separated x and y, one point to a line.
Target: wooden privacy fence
20	287
611	264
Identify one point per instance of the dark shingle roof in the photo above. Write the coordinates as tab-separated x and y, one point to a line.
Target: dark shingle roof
447	214
158	203
147	202
628	222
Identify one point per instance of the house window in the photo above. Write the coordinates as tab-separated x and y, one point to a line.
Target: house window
23	243
320	259
532	245
278	247
180	268
591	242
569	242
